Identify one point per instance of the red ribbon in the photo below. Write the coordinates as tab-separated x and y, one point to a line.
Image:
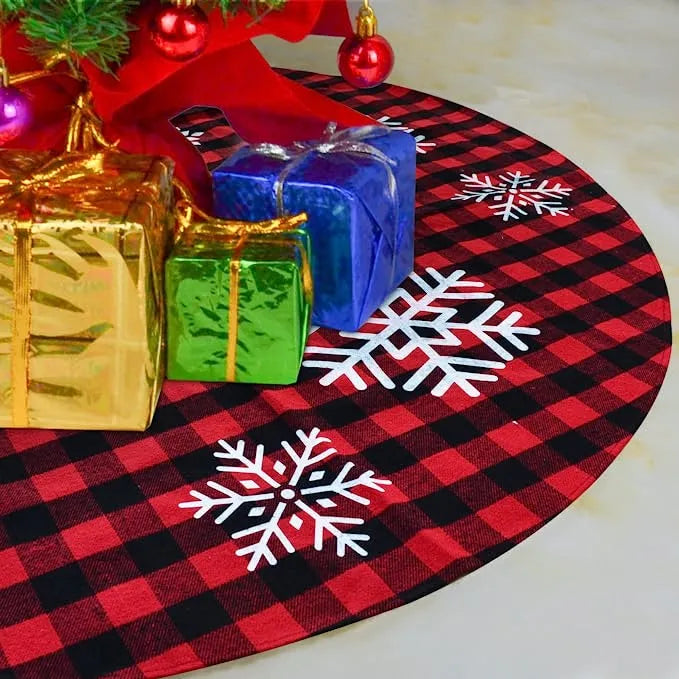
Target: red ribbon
149	90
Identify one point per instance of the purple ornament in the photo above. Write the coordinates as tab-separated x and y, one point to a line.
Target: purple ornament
15	114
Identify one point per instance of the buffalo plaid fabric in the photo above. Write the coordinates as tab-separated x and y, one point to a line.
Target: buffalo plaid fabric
103	574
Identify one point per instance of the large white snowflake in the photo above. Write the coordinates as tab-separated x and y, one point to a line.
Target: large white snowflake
513	194
279	489
433	331
421	143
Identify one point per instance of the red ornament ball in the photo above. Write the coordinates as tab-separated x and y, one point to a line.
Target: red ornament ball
180	33
365	62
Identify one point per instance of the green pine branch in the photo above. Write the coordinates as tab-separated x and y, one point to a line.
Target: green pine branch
98	30
9	7
255	7
82	29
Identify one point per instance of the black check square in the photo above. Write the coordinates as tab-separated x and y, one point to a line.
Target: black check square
12	469
389	457
26	525
100	655
443	507
167	417
570	323
155	551
455	429
573	381
117	494
340	412
61	587
627	417
198	615
573	447
624	357
84	444
511	475
517	403
291	576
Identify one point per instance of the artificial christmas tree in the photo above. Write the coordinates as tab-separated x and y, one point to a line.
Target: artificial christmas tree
112	48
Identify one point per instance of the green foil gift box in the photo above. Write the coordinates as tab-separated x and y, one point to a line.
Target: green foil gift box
239	299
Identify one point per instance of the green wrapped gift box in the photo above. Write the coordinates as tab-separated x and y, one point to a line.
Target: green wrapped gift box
239	299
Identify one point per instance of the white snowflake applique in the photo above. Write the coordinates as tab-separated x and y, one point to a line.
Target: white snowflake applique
421	143
285	495
194	137
513	195
434	333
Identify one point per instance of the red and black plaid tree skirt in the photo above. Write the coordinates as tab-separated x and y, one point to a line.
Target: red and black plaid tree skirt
493	390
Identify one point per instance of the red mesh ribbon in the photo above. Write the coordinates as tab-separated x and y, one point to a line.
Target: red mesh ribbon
149	90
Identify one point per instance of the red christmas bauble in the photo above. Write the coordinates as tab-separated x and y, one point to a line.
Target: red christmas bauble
365	62
180	33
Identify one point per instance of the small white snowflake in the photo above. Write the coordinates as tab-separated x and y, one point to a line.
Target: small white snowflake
290	485
431	327
422	145
513	194
194	137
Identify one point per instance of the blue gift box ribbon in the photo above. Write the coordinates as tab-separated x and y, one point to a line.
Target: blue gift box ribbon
349	141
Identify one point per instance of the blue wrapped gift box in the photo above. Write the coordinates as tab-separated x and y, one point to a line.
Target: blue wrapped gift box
361	224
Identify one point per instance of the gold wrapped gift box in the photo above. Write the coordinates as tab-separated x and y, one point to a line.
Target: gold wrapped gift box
82	242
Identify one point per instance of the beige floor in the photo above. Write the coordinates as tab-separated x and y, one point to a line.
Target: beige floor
594	595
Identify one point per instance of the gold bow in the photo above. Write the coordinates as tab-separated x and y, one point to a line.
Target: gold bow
193	221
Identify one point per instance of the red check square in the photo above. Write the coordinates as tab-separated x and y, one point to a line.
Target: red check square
509	517
514	438
436	549
519	272
570	482
566	299
128	601
11	568
215	427
563	256
58	482
449	466
141	454
396	421
220	564
571	350
23	439
29	640
284	400
360	588
178	659
619	330
603	241
520	233
271	627
627	387
609	282
91	537
573	412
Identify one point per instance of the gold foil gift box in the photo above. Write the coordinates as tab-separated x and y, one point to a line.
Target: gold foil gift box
83	237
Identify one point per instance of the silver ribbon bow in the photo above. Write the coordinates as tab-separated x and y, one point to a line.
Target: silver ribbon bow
349	141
